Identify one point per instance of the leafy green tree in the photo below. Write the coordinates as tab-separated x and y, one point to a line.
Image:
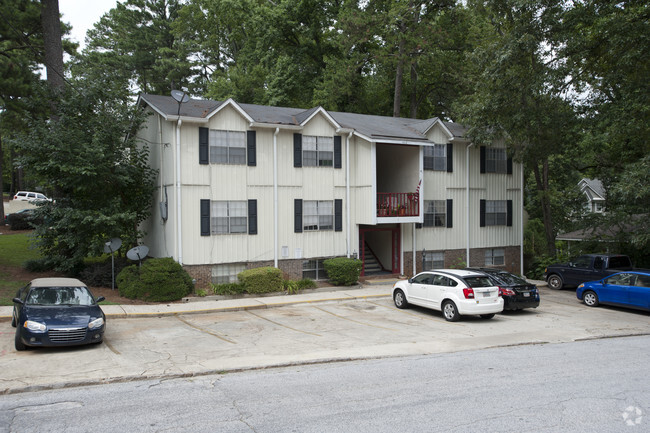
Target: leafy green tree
104	181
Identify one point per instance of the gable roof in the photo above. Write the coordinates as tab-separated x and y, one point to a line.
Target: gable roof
370	127
593	188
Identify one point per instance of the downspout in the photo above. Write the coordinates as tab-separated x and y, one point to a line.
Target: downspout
347	194
275	197
179	235
467	215
521	221
414	249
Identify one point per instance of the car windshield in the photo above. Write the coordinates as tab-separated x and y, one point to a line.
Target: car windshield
510	278
59	296
478	282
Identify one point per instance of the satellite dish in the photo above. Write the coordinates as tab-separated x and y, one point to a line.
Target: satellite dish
180	96
138	253
112	245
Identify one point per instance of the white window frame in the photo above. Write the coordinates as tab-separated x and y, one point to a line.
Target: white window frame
433	260
436	211
314	269
495	257
496	160
496	212
228	217
227	147
317	215
317	151
226	272
437	154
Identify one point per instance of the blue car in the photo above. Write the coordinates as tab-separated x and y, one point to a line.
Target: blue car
626	289
57	312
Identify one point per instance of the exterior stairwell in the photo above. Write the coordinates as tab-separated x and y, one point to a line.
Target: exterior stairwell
371	264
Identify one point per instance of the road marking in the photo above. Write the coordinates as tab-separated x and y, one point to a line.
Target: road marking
110	346
207	331
352	320
283	325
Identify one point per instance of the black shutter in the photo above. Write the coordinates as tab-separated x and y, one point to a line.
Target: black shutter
509	165
450	158
337	151
251	147
297	215
252	217
509	213
482	159
297	150
204	145
482	210
205	217
338	215
450	213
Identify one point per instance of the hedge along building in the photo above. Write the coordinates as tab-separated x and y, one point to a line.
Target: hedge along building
242	186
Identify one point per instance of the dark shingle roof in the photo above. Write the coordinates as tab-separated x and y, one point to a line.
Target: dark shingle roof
374	127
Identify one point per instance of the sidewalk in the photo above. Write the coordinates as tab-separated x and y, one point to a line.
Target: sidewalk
209	304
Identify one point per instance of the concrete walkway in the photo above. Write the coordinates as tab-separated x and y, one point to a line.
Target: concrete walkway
210	304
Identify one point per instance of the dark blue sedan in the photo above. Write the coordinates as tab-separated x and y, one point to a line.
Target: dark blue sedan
626	289
57	312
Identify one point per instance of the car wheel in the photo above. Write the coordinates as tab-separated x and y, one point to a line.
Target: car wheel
487	316
20	346
400	299
450	311
555	282
590	298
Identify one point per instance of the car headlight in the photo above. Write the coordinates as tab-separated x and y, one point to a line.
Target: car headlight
35	326
97	323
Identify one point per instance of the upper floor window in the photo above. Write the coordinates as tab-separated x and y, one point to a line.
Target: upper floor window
317	215
495	213
227	147
435	213
496	160
228	217
435	157
317	151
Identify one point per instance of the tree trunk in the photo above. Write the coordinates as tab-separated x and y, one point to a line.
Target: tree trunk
52	43
541	179
399	78
413	112
2	200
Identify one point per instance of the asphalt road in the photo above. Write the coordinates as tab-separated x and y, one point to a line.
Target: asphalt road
586	386
200	344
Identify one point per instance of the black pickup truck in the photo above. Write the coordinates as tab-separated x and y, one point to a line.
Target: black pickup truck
589	267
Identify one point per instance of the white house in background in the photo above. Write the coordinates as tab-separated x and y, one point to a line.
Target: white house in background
242	186
595	194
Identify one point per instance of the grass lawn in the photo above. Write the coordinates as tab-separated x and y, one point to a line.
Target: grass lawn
14	251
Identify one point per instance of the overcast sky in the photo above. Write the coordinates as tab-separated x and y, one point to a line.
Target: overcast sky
82	15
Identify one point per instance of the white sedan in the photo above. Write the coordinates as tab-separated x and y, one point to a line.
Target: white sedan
455	292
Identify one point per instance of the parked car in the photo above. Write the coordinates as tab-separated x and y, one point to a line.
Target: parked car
57	312
517	293
30	196
588	267
455	292
626	289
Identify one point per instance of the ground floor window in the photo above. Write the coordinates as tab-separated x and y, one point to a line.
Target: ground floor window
228	217
496	213
433	260
495	257
226	273
314	269
318	215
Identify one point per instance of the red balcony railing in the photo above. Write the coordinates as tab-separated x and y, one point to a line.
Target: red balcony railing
393	204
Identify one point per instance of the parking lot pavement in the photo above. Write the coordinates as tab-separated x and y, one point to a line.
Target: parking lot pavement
311	331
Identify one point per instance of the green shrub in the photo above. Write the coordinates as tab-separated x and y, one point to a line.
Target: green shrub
228	289
261	280
342	271
157	280
19	221
42	264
